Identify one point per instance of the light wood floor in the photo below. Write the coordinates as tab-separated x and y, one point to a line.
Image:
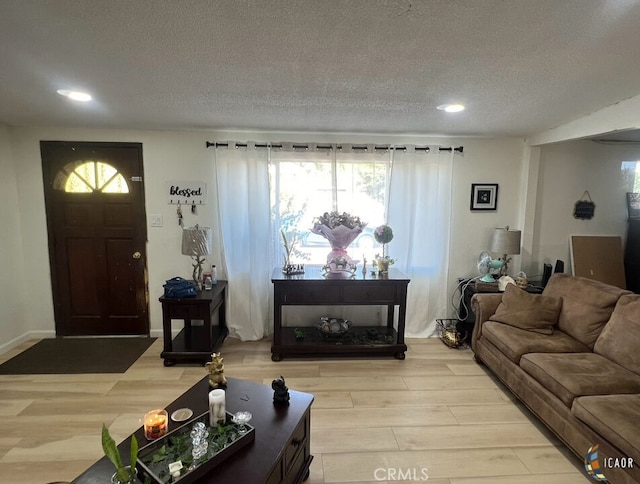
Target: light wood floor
373	420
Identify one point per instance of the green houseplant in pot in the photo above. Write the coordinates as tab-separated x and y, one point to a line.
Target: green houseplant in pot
123	474
383	235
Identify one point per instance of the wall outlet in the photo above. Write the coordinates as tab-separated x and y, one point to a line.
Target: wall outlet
156	220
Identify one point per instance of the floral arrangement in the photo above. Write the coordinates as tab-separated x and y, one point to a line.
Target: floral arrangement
289	268
334	219
340	229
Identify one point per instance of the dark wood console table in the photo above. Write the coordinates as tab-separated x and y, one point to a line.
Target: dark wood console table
312	289
194	343
281	452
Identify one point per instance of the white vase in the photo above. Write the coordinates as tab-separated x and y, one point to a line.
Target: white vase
384	263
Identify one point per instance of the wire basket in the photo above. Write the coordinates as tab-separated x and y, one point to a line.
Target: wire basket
449	334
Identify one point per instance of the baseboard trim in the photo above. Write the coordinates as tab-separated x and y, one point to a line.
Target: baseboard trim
159	333
18	340
9	345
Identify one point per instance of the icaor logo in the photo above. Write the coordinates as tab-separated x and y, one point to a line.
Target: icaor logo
592	464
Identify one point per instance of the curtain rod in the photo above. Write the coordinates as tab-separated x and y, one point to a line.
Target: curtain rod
303	146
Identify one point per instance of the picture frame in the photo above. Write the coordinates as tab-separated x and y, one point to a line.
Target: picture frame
484	196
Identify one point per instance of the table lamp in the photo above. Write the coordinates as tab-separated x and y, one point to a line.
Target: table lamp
506	242
196	242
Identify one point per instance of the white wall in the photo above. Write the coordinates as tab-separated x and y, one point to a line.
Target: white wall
566	171
13	283
485	161
182	155
167	156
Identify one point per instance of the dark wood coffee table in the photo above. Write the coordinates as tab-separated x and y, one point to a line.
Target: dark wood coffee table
279	454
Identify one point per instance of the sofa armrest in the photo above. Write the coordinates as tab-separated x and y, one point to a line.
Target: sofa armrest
484	306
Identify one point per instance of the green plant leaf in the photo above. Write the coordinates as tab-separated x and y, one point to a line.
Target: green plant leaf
123	475
110	449
134	453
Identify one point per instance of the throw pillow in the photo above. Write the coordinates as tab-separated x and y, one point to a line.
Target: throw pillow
619	338
533	312
586	305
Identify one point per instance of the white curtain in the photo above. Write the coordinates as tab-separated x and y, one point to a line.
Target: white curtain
242	179
419	209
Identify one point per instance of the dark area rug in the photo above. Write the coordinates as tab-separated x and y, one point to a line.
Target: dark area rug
77	355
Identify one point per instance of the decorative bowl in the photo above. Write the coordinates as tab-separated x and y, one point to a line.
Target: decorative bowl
334	326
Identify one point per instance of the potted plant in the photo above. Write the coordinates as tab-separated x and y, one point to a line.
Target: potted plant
383	235
123	474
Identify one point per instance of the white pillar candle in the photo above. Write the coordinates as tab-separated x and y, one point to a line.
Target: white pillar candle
217	412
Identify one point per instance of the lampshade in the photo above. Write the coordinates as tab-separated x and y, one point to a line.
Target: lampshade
505	241
196	241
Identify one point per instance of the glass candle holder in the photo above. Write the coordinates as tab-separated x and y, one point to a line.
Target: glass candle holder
155	424
242	419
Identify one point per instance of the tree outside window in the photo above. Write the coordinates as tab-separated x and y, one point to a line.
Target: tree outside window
303	190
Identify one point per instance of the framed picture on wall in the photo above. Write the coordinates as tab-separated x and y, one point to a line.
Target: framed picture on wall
484	196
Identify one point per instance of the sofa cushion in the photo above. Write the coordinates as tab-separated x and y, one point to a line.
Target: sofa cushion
619	339
532	312
586	305
571	375
515	342
615	417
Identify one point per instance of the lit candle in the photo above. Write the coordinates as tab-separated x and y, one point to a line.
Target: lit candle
155	424
217	412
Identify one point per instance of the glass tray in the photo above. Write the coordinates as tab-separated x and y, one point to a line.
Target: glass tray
224	441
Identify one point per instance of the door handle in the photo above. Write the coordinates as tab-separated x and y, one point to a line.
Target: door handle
136	255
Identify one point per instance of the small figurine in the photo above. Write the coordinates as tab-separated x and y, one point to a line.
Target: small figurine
364	266
280	391
199	442
216	371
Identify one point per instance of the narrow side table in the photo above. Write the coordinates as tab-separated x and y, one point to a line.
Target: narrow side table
313	288
194	342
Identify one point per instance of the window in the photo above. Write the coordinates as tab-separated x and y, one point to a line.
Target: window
304	186
89	177
631	175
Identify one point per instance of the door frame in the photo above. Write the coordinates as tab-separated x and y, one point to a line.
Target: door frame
57	305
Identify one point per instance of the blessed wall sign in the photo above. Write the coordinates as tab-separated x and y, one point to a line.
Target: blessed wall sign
186	193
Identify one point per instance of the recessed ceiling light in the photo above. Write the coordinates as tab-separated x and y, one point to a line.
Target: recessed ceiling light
75	95
451	108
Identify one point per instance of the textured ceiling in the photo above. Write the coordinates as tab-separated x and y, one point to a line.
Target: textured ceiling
356	66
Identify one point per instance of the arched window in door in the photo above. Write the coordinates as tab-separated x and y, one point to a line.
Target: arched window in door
90	177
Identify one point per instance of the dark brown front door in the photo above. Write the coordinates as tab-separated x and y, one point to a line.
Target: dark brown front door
97	237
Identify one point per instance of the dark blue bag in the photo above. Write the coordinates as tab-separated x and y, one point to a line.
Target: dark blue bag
179	288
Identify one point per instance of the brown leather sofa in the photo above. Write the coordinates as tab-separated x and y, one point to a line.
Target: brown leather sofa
572	356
